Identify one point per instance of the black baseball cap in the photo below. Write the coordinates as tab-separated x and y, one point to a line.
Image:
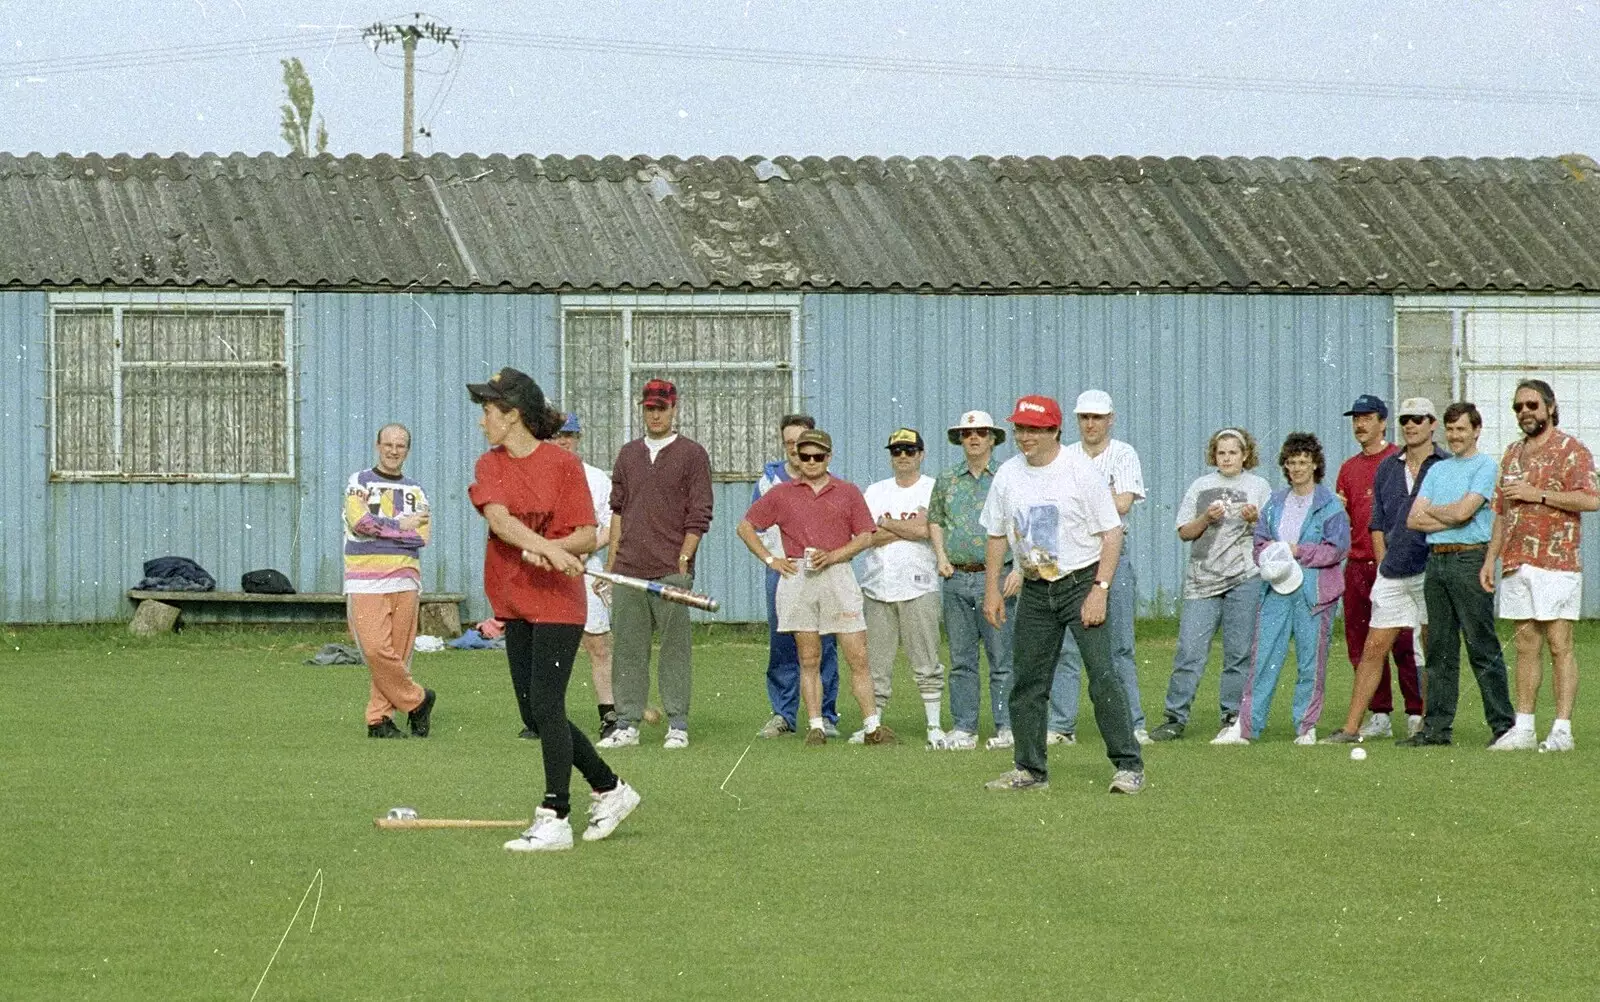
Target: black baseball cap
1368	404
512	388
906	436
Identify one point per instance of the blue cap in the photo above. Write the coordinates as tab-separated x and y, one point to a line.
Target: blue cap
1368	404
572	427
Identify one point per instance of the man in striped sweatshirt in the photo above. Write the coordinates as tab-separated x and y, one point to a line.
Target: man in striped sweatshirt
385	525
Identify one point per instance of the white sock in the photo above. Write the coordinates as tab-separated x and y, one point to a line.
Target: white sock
815	723
930	707
1561	727
871	723
1525	722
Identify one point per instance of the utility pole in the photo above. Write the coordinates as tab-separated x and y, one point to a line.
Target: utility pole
408	35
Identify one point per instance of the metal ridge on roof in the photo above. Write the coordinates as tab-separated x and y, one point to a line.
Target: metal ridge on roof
1007	223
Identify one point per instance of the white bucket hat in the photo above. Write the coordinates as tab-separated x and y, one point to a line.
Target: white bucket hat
1280	569
975	419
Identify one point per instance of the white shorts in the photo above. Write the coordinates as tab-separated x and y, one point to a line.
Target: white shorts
825	601
1531	592
1397	603
599	617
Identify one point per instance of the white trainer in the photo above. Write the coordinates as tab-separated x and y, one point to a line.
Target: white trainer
960	741
1233	734
1060	738
1002	739
936	738
1557	741
606	811
548	833
622	737
1516	739
677	738
1377	726
1413	724
1141	735
859	737
1308	738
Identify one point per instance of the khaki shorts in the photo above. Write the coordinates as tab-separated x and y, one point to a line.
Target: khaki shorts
824	602
1531	592
1397	603
599	615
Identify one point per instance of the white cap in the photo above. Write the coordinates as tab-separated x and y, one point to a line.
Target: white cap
975	419
1093	402
1417	407
1280	569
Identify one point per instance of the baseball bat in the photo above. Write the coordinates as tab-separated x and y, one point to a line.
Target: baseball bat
682	596
446	823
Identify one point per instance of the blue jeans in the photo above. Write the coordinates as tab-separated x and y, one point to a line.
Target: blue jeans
1119	617
1234	611
966	626
783	666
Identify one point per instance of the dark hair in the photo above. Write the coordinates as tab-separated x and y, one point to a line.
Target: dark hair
1303	443
1546	392
395	424
542	424
1461	408
805	421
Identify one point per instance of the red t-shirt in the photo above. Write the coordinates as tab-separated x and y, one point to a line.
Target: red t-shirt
1356	479
547	492
826	519
1535	533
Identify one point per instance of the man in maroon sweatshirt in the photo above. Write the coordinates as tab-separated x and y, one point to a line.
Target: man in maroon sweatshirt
661	507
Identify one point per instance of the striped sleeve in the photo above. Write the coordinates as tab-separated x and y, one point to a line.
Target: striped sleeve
1123	470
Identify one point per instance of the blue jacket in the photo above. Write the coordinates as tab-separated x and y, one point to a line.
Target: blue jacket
1405	551
1324	542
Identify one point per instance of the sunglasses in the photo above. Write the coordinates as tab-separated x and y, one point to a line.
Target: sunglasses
1524	405
903	450
1413	419
976	433
812	457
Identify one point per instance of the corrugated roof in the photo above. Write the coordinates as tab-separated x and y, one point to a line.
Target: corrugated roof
526	222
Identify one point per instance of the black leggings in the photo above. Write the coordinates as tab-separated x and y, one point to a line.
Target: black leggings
541	656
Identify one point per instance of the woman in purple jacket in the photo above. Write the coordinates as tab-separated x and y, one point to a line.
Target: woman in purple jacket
1300	540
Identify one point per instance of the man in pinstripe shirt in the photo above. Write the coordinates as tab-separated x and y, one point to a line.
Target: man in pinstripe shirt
1119	464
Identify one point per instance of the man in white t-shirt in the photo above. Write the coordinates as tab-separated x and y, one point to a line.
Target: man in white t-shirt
1056	513
900	580
1118	463
597	627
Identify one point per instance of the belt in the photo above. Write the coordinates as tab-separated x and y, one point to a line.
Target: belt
969	568
1457	547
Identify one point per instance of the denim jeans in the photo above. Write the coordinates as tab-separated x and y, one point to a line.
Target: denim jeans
783	667
1459	607
1119	617
966	626
1234	612
1046	611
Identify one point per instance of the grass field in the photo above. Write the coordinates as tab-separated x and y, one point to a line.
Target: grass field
167	804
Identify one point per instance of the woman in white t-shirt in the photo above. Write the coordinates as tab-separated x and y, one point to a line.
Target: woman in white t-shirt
1221	587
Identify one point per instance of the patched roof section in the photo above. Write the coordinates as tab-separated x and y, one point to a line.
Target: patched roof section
778	223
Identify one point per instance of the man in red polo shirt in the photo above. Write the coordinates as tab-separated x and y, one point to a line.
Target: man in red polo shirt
825	522
1357	477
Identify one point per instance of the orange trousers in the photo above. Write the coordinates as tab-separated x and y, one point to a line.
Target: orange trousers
385	628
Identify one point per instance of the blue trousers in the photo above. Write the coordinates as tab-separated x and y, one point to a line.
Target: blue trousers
964	622
1069	668
1234	612
1281	617
783	666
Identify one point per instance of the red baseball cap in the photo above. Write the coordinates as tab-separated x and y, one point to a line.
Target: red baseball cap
658	393
1036	412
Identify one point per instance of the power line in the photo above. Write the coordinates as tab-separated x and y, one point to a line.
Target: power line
168	55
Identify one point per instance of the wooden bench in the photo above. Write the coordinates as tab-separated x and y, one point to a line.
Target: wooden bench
157	612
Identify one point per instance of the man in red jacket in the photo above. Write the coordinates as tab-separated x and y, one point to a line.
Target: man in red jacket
661	507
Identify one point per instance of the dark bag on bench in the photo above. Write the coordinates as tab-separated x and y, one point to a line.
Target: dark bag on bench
266	582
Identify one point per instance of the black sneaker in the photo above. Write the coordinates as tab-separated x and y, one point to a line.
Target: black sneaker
1169	731
608	724
418	718
1422	739
387	729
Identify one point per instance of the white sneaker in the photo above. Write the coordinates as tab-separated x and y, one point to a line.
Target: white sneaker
1141	735
1002	739
548	833
677	738
1413	724
606	811
960	741
859	737
1058	738
936	738
622	737
1557	742
1233	734
1516	739
1308	738
1378	726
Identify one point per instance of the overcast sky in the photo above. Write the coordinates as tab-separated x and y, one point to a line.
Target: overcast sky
1039	78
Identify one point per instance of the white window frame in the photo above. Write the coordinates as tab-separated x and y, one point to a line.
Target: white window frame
119	302
735	303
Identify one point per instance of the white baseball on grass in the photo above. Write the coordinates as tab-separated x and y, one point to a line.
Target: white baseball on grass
1358	754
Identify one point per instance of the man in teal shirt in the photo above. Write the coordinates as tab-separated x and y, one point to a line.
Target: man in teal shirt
958	544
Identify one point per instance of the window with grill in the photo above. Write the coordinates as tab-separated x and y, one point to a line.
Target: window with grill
165	386
733	365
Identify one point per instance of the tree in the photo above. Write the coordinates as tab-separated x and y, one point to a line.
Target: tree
296	123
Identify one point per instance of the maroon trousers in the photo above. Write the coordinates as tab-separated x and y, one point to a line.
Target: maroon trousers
1358	578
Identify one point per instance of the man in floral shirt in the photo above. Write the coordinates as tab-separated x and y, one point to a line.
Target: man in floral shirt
1546	480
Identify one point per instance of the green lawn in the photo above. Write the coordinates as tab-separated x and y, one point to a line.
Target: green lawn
167	803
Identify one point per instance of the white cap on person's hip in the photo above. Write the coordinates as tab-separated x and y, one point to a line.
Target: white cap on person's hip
1093	402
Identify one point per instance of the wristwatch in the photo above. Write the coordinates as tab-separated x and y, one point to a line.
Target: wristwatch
1102	585
769	559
